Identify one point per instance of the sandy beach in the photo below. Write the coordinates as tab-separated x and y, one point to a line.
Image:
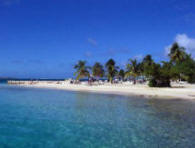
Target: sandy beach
182	91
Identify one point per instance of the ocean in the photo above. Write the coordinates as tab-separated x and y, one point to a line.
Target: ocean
46	118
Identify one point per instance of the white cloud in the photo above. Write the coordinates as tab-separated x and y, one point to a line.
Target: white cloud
184	41
92	41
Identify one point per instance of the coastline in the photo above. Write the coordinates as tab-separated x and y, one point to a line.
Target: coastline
184	91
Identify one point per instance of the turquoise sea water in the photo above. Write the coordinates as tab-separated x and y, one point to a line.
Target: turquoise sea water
43	118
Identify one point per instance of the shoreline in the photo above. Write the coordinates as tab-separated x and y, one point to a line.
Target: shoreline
184	91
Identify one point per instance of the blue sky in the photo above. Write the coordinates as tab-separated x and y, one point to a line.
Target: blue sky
45	38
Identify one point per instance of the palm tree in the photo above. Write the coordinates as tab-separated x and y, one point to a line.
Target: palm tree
81	70
148	60
121	74
111	69
133	69
146	65
98	70
177	54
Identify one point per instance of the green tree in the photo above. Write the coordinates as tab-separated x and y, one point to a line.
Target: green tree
148	60
81	70
121	74
177	54
111	69
165	74
133	69
98	70
186	69
160	74
146	65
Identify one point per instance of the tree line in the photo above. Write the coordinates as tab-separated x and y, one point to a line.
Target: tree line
181	66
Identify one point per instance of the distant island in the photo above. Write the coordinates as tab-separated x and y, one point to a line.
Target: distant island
180	67
173	78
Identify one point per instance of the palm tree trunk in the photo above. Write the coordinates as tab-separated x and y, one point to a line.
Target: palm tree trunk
134	81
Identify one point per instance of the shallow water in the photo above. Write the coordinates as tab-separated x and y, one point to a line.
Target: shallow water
46	118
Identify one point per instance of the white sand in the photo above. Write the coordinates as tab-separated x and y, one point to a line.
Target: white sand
184	91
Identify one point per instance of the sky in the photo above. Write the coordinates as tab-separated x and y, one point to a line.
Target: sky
45	38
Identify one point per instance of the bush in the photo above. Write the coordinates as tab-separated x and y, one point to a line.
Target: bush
159	83
191	79
160	75
152	83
